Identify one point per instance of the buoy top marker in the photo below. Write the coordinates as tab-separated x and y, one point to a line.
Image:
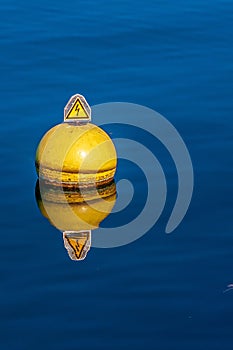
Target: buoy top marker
77	110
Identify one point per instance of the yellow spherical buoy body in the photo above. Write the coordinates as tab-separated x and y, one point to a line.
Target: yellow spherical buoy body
76	155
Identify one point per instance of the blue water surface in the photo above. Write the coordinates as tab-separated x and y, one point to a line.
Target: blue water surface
162	291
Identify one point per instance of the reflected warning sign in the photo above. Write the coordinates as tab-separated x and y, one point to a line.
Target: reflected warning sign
77	243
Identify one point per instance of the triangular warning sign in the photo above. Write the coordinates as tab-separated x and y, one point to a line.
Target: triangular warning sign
77	108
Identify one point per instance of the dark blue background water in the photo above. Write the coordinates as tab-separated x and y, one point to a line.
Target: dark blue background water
162	291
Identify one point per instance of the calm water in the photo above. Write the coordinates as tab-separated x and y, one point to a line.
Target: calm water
162	291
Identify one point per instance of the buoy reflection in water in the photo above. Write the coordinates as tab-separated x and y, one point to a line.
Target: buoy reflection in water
69	211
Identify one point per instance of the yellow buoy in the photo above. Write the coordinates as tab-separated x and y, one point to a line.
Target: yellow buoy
76	152
76	162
